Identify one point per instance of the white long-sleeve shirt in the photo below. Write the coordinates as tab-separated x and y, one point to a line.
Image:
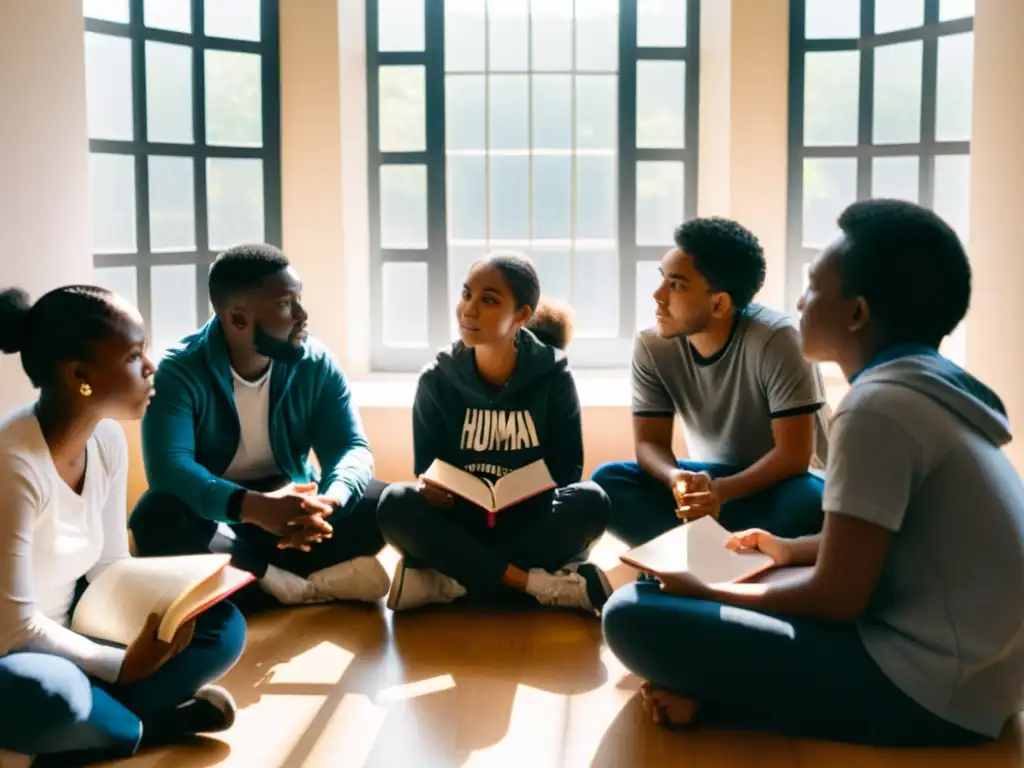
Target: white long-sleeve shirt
51	536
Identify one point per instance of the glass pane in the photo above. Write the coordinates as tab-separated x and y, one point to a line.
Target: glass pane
552	112
403	109
648	278
403	206
596	199
661	23
509	112
595	293
404	289
234	99
597	121
112	198
898	79
953	193
400	25
891	15
660	201
552	197
661	104
172	209
108	10
460	259
173	305
238	19
954	88
554	267
897	177
467	198
120	280
832	18
509	198
175	15
108	86
830	184
552	35
464	36
831	95
508	35
955	9
597	35
169	93
464	108
234	190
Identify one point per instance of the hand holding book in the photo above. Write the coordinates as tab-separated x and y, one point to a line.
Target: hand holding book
148	652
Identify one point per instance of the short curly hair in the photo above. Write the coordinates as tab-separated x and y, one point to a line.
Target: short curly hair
909	265
242	268
727	255
553	323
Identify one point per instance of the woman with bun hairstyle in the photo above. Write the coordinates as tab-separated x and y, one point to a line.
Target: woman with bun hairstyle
497	400
63	520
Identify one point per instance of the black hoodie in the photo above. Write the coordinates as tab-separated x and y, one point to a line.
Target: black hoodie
491	431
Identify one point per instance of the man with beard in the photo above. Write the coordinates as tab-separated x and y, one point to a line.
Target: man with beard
227	441
752	409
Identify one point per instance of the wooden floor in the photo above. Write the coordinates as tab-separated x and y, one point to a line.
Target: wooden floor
340	686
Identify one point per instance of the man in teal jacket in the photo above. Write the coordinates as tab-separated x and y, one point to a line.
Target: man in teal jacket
227	441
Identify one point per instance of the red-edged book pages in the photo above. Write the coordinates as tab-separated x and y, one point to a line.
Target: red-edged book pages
116	605
517	486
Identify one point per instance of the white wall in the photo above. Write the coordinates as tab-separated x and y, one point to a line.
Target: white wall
44	158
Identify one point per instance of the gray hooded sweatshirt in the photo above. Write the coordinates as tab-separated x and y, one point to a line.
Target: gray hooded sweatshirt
916	447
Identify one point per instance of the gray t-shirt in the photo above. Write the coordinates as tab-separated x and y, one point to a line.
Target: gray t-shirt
727	402
916	449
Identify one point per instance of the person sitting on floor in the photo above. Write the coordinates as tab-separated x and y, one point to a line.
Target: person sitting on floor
227	440
63	486
752	409
907	629
496	401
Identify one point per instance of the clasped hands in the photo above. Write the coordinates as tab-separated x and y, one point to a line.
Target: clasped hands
296	514
696	495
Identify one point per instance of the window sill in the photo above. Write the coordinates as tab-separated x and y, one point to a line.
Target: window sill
599	389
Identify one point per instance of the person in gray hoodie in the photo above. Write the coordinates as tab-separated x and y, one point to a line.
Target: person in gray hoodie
497	400
906	625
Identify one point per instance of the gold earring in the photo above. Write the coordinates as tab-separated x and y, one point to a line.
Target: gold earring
85	389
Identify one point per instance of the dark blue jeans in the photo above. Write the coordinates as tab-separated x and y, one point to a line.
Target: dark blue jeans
48	705
800	677
643	508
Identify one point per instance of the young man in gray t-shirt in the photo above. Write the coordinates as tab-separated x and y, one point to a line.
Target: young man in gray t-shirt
907	628
752	409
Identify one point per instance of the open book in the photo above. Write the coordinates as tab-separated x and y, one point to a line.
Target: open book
115	606
509	490
698	548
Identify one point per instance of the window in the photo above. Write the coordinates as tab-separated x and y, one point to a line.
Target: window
880	106
565	129
183	114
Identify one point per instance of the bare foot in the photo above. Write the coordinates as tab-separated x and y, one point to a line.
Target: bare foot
668	708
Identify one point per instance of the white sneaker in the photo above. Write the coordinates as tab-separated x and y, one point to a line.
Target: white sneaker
288	588
416	587
580	585
362	578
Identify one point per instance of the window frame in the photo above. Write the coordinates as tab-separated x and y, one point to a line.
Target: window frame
600	353
139	147
927	149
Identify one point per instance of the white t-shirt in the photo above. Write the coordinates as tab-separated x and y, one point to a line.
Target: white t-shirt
51	536
254	458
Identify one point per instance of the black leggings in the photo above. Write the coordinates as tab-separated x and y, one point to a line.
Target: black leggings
546	532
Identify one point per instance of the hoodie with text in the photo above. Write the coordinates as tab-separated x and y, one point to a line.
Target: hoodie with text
491	431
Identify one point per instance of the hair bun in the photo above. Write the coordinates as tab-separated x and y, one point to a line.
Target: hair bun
15	305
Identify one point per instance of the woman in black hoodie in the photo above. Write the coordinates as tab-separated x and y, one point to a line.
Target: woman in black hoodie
496	401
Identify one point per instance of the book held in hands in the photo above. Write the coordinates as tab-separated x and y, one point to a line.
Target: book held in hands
517	486
116	605
697	548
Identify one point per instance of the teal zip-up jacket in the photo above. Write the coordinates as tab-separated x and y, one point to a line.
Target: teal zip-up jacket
190	432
